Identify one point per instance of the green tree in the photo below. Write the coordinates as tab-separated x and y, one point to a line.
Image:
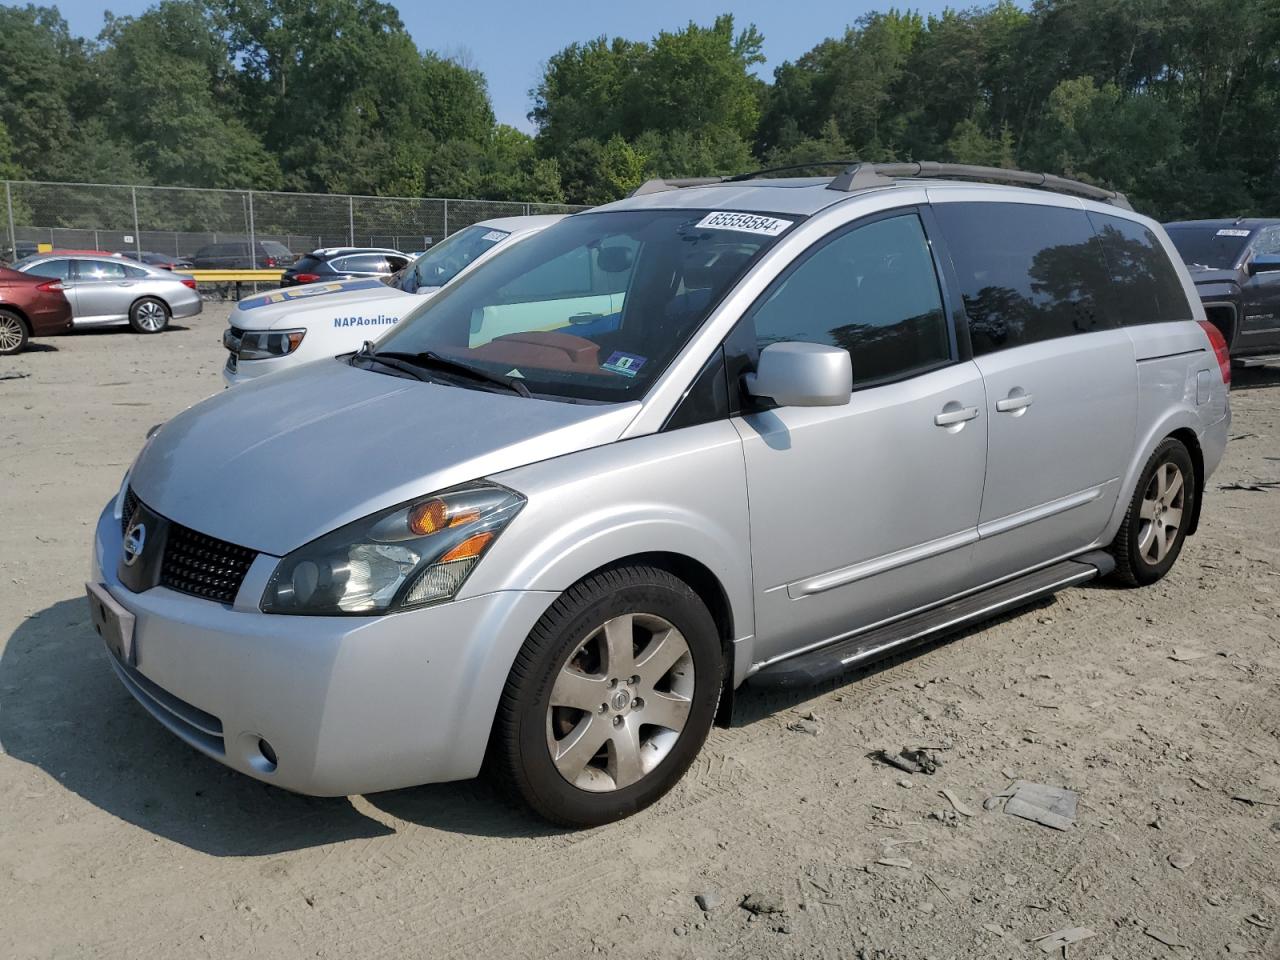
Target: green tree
41	82
167	85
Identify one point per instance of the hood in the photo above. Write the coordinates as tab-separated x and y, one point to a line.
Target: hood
1201	275
277	462
299	306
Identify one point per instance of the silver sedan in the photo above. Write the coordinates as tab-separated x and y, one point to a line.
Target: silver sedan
107	290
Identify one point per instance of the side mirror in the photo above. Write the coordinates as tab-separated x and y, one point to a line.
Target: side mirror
1264	263
802	375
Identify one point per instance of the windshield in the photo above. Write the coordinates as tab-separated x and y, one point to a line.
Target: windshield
448	258
595	307
1216	247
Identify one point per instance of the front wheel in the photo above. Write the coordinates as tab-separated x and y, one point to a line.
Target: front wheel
610	698
1155	527
13	333
149	315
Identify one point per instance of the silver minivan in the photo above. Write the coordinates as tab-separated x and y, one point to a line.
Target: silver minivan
821	419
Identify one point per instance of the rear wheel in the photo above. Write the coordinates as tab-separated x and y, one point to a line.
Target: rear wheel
1155	526
149	315
610	699
13	333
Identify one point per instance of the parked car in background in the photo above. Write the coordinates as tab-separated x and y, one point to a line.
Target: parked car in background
344	263
767	429
164	261
1235	265
110	290
275	331
30	306
19	251
234	255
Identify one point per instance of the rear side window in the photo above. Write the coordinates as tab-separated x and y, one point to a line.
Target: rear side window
1145	287
364	263
872	290
309	264
58	269
1027	272
136	273
99	270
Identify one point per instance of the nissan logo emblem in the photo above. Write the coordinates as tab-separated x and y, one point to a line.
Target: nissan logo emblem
135	539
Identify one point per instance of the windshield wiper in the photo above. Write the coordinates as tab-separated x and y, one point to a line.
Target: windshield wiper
429	358
366	352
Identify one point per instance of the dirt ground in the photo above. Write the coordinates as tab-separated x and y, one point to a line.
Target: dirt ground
117	840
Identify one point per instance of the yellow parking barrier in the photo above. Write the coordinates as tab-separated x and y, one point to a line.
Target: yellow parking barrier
235	276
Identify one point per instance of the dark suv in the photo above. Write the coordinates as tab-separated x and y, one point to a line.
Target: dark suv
268	255
1236	268
344	263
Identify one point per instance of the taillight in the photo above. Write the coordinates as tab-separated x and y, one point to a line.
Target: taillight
188	282
306	277
1220	349
50	286
271	262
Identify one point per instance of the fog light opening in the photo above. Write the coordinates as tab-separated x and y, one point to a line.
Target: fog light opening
267	755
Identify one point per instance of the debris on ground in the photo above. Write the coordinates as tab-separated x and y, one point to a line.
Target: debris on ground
708	900
1060	939
763	903
1050	806
804	726
902	862
1181	860
1258	920
1183	654
994	928
1256	486
13	375
1254	799
960	806
918	760
1165	936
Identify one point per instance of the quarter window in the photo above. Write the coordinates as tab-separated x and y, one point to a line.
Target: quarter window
1144	286
872	290
1027	272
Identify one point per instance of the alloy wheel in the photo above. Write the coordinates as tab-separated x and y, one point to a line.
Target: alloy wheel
151	316
10	333
619	703
1160	513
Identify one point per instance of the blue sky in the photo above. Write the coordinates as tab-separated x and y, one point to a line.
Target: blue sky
510	41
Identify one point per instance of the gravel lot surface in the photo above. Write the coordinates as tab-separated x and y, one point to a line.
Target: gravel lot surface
117	840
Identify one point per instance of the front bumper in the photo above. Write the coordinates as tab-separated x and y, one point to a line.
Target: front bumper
348	704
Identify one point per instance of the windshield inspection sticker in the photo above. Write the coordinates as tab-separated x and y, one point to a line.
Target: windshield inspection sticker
627	364
493	236
744	223
1233	233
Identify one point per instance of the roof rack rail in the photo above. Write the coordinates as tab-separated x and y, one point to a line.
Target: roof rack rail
658	185
863	175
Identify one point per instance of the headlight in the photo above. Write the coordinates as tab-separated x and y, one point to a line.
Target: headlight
264	344
414	554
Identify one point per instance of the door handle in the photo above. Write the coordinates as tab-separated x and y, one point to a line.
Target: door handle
1014	404
959	415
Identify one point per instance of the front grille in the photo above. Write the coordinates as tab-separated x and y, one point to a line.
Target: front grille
203	566
127	509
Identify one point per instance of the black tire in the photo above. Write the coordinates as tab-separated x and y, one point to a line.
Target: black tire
1136	561
13	333
149	315
520	755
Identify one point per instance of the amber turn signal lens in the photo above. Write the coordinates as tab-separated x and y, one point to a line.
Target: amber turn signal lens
427	517
470	547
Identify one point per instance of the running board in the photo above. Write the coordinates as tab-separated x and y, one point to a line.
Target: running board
1256	361
830	661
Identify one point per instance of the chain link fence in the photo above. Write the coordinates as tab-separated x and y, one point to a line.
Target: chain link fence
179	221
